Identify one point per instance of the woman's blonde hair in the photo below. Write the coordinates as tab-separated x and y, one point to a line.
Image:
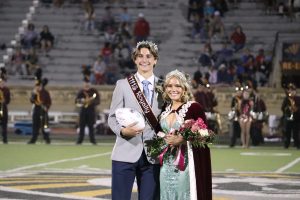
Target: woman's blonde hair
184	82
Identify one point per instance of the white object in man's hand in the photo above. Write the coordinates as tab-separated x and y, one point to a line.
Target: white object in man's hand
128	117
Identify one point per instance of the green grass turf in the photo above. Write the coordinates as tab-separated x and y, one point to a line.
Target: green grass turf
261	159
18	155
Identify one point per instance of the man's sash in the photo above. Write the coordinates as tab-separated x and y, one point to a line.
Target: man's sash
146	108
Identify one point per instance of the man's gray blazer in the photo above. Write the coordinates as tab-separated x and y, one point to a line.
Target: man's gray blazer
129	149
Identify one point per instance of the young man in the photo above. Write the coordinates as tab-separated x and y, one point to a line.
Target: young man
129	157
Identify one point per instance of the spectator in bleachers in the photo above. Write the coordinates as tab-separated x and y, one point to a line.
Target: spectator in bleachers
200	27
240	71
216	26
141	28
30	37
122	55
99	69
205	58
46	39
248	62
208	9
89	15
238	39
125	17
262	68
197	25
112	73
195	7
213	75
4	101
223	75
106	52
231	73
108	19
110	35
31	61
17	63
125	32
224	55
221	5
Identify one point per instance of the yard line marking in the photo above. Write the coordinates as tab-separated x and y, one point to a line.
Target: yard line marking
264	154
91	193
282	169
47	186
7	189
58	161
65	143
254	194
40	181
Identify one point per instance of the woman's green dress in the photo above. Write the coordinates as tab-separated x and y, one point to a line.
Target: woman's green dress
174	184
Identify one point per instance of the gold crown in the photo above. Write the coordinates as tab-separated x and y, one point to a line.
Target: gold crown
145	42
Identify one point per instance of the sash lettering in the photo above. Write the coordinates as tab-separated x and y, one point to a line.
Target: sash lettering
143	103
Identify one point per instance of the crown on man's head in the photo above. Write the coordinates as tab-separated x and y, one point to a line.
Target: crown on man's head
145	42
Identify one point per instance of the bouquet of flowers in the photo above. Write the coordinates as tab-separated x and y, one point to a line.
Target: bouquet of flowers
156	145
194	131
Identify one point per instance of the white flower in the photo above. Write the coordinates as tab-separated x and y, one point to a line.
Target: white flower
161	134
203	132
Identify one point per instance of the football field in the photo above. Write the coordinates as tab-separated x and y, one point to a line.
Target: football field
64	170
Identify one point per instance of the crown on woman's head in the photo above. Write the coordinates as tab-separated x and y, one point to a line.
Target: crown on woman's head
179	74
145	42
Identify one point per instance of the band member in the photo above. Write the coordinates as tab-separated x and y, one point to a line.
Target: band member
291	116
87	99
4	101
245	118
212	115
259	116
200	95
235	129
41	100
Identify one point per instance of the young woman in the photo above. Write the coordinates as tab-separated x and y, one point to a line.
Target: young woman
194	181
